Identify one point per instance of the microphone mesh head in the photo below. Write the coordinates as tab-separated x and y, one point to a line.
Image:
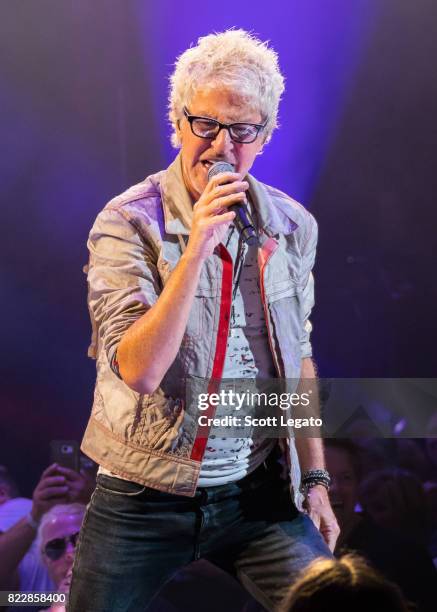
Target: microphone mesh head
218	167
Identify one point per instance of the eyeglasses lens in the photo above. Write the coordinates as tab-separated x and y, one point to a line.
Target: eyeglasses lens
243	132
240	132
56	548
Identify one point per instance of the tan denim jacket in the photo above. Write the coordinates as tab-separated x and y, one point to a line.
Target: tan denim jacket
134	245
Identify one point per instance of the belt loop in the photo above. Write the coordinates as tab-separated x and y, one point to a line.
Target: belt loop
203	495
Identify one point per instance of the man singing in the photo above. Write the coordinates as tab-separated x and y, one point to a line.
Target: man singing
175	295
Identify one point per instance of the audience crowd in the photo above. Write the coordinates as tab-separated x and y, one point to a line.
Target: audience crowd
383	491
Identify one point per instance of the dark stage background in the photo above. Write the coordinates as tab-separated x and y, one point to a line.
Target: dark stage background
83	109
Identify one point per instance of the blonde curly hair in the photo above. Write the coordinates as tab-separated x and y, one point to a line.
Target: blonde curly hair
234	60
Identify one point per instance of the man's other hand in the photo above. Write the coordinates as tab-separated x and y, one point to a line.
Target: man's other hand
318	507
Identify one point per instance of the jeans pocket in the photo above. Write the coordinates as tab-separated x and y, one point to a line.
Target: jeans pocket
118	486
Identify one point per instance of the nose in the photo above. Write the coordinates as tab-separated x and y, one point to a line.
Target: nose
222	143
70	550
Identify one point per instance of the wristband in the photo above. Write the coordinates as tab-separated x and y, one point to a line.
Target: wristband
311	478
305	488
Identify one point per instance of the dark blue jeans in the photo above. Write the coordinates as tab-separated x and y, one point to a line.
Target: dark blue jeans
134	539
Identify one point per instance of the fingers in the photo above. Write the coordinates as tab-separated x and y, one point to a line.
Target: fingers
222	179
214	193
210	223
315	517
224	218
211	217
69	474
235	184
218	205
52	469
229	189
51	481
331	540
50	487
53	486
330	533
53	493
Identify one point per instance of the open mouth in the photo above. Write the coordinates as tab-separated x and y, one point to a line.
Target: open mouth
206	163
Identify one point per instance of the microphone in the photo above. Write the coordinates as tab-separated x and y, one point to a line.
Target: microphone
242	221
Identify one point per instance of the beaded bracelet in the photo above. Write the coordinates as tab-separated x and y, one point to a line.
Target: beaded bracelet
311	478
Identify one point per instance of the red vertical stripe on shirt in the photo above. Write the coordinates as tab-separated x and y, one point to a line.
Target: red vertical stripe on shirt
199	445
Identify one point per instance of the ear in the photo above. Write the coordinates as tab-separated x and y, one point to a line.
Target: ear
261	147
178	130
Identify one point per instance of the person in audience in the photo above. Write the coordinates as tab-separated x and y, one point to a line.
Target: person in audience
431	484
399	559
396	501
344	459
410	456
56	543
20	567
20	564
431	446
346	584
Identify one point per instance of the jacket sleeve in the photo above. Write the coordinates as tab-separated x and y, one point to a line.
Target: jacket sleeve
123	281
307	284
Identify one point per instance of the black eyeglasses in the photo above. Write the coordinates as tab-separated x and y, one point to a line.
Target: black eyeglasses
55	549
205	127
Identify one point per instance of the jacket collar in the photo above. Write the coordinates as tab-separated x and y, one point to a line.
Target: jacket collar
274	212
176	201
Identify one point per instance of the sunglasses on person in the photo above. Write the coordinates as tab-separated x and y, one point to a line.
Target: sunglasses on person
55	549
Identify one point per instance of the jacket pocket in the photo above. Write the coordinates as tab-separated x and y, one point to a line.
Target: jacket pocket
194	328
166	426
119	486
284	308
281	289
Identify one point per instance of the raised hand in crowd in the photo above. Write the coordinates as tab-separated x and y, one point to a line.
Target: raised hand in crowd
57	485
